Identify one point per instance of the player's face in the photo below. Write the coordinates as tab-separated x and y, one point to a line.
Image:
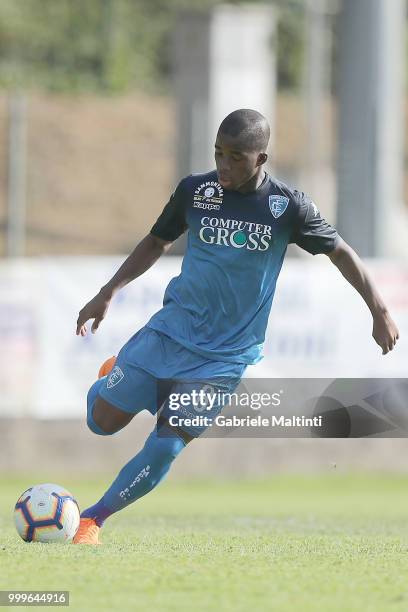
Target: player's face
235	165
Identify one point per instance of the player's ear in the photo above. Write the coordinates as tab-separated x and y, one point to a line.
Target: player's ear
262	158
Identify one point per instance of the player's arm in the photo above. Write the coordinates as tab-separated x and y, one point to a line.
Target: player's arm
313	234
385	332
143	256
168	227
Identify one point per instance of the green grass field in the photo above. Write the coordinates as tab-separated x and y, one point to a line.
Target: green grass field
332	542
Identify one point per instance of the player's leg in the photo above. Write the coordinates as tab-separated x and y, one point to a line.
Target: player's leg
137	478
129	390
142	473
103	418
146	470
207	400
109	414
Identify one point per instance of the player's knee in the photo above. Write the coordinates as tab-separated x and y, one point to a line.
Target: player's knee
94	427
108	418
99	416
103	418
91	400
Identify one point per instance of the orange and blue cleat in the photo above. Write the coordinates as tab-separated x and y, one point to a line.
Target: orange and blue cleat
107	367
88	532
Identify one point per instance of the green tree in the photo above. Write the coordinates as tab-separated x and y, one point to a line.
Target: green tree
111	45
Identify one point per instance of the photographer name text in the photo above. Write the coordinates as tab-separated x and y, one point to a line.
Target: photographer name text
247	421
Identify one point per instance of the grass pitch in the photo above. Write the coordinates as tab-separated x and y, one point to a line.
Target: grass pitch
331	543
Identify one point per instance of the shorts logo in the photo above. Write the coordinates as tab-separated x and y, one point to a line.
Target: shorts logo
114	377
208	196
278	205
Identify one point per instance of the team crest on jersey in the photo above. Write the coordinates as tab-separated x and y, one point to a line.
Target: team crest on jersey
114	377
278	205
208	196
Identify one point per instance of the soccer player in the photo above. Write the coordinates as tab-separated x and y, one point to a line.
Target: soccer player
214	316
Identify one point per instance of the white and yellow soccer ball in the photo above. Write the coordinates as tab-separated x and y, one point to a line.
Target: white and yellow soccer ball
46	513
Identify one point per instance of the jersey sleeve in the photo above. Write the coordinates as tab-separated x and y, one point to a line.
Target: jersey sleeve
311	232
172	221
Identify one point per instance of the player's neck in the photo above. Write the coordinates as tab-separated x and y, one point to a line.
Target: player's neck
253	183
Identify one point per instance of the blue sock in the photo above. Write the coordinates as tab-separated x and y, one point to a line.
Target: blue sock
139	476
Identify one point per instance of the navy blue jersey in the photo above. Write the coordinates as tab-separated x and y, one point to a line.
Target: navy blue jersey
219	305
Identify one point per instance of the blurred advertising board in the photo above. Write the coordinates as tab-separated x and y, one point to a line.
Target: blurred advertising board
319	327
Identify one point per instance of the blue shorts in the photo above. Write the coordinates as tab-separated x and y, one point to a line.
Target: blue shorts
155	373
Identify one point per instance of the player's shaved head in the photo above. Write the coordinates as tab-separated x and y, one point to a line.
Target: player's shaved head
249	128
240	150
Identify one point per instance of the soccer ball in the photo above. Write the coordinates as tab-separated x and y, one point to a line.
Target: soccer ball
46	513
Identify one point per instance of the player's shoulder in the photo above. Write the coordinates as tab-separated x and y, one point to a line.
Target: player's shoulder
294	195
200	180
300	205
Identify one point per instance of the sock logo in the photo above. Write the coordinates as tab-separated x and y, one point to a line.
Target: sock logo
114	377
144	473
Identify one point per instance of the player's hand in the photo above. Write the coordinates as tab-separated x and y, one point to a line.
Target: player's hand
95	309
385	332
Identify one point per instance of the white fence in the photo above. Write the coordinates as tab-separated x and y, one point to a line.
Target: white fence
319	327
